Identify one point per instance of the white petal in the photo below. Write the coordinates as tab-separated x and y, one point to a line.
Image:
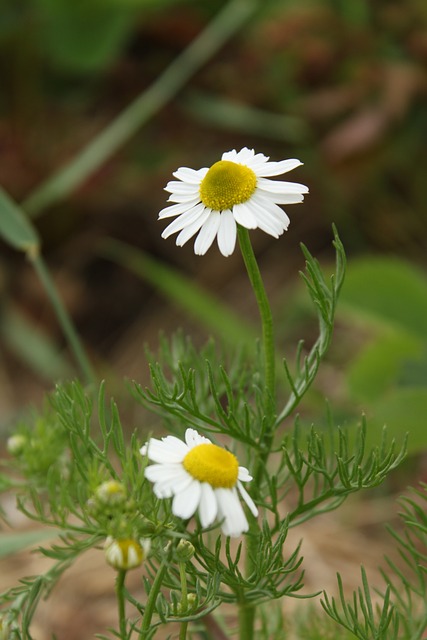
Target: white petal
184	197
280	198
280	186
193	438
190	175
208	507
186	502
266	222
169	449
268	219
184	220
229	155
176	186
176	209
247	498
207	234
192	228
244	475
227	231
231	510
244	216
168	479
277	168
243	156
273	209
158	472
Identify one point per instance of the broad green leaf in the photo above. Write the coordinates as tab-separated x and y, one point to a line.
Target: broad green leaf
381	364
14	542
389	290
15	228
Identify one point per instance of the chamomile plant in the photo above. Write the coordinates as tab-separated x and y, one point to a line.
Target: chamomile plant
201	497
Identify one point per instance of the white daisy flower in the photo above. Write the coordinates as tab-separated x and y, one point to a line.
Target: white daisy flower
235	190
201	476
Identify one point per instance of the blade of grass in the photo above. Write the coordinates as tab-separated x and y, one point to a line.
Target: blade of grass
112	137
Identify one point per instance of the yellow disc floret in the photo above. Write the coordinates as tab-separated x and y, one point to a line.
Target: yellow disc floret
212	464
226	184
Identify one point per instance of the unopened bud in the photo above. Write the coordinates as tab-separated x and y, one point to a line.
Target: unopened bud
126	553
16	444
184	550
111	493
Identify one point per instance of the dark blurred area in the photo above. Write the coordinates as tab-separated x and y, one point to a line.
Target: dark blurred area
339	84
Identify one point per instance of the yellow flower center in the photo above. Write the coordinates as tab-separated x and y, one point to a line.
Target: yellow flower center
214	465
226	184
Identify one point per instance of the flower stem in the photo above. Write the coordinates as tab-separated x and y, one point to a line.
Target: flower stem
120	583
184	600
62	315
151	601
266	318
246	621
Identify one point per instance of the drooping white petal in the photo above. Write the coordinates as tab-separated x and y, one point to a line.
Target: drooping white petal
188	232
184	220
244	216
176	209
266	222
227	232
185	503
207	234
268	204
247	498
208	507
230	509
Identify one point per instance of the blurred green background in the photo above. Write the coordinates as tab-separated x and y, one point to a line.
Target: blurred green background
339	84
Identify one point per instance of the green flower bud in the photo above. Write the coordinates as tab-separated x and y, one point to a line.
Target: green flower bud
184	551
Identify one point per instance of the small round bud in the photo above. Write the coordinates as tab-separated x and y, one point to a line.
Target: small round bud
111	493
126	553
184	550
16	444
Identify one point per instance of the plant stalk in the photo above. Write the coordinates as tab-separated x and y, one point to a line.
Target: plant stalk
120	583
62	315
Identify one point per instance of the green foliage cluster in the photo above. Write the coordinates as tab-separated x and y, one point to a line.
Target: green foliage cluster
79	443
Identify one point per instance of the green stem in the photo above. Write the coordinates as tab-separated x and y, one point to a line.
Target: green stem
266	318
246	621
151	601
184	600
105	144
120	583
62	315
